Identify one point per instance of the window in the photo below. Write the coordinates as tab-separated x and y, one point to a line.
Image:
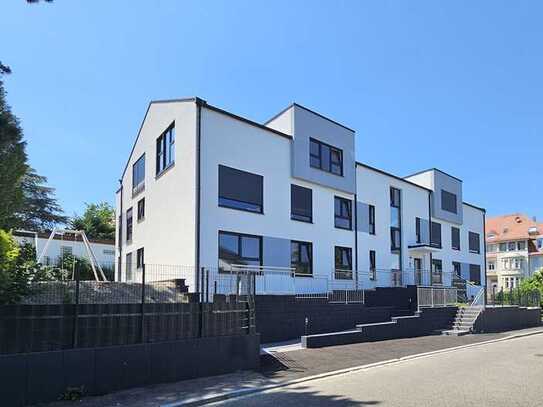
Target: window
138	175
491	248
141	209
301	203
448	201
491	266
128	266
418	230
239	249
455	238
475	274
521	245
395	197
301	257
436	234
66	251
395	239
325	157
120	231
129	225
165	150
511	246
343	262
108	252
540	244
342	213
474	244
395	220
457	270
240	190
373	265
371	217
437	271
139	258
503	247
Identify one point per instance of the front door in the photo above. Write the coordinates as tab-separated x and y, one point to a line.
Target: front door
418	271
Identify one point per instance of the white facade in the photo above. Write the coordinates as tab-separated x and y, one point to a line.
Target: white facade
183	217
104	251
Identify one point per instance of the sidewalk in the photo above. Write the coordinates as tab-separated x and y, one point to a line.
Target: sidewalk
279	366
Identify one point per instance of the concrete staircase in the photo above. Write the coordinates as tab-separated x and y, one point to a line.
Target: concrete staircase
464	320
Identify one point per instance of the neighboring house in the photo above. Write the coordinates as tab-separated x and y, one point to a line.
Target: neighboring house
104	250
514	246
206	188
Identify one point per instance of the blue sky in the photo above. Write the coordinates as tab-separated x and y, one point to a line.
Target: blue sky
454	85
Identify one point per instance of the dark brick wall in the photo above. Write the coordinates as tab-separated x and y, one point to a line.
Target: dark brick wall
31	378
497	319
282	317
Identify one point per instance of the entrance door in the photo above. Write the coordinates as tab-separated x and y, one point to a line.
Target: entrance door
418	270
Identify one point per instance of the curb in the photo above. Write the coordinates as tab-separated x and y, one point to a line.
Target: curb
213	398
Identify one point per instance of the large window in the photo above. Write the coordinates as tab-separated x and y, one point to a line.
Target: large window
239	249
418	231
165	149
371	216
240	190
455	238
395	220
474	244
343	262
342	213
141	209
448	201
138	175
475	274
325	157
301	203
301	257
436	235
129	225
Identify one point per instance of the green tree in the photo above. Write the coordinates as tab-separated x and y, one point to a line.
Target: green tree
534	283
98	221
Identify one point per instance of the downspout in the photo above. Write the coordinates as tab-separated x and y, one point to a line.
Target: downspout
356	235
120	233
484	253
199	103
430	233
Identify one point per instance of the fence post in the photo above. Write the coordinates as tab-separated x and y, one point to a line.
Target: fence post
142	319
201	301
207	286
510	295
75	332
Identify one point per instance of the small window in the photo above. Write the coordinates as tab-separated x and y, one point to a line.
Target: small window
240	190
491	248
474	243
540	244
108	252
475	274
371	216
342	213
373	265
66	251
436	234
141	209
511	246
239	249
491	266
395	239
448	201
301	258
457	271
521	245
139	258
343	262
395	197
165	150
129	225
455	238
128	265
120	231
437	271
325	157
503	247
301	203
138	175
418	230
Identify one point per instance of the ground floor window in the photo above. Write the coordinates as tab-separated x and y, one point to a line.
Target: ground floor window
343	262
239	249
301	257
437	271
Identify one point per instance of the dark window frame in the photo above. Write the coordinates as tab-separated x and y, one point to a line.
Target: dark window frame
418	229
447	199
299	262
475	268
340	251
371	219
140	259
373	265
128	267
455	232
136	173
472	250
141	210
396	203
330	161
239	253
347	204
236	204
433	242
439	273
307	215
165	150
129	224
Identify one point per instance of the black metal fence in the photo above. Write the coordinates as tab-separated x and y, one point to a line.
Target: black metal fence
514	296
158	303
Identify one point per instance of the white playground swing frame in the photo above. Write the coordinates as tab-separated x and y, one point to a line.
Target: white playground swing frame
92	258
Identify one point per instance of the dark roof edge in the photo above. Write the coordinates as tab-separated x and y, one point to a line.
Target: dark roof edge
475	207
392	176
433	169
245	120
310	111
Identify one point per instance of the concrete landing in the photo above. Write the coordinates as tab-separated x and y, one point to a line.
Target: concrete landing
456	332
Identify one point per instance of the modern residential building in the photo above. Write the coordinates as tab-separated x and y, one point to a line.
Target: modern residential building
63	244
206	188
514	246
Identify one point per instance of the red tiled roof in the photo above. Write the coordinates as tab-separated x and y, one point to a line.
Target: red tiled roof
511	227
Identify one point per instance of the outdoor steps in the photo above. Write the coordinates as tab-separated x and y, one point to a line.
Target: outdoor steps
463	322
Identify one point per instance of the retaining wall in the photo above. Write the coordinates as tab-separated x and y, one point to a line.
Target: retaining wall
506	318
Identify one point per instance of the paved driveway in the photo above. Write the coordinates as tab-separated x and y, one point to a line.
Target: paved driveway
508	373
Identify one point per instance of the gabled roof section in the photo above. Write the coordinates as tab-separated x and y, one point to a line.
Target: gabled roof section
294	104
388	174
512	227
433	169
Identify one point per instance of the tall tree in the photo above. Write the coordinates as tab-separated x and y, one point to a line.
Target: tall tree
98	221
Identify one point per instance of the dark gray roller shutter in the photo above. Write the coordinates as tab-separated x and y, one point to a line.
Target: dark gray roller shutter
240	185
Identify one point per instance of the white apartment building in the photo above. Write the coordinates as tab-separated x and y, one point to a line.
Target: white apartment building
514	247
206	188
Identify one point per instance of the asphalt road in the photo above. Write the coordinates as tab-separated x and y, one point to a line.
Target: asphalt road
508	373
